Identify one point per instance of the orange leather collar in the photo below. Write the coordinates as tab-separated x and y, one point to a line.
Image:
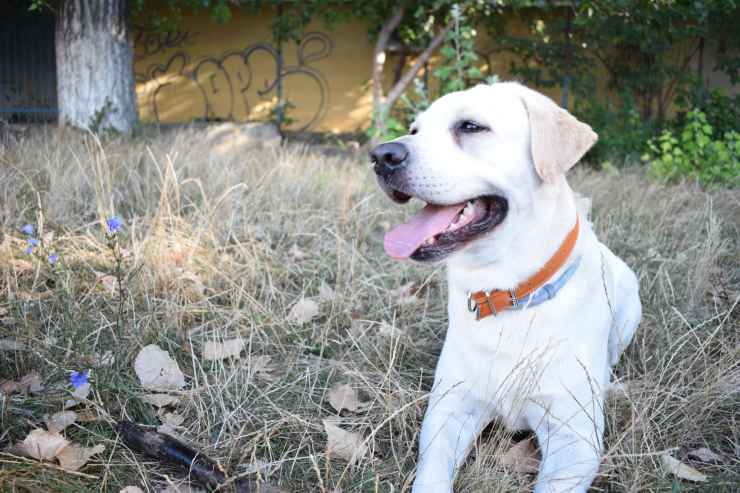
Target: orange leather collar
485	303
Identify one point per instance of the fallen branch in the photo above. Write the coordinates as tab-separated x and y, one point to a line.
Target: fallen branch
203	470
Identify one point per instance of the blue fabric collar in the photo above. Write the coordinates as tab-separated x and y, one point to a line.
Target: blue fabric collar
549	290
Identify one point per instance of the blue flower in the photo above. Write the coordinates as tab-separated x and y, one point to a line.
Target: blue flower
32	242
53	258
113	224
78	379
28	229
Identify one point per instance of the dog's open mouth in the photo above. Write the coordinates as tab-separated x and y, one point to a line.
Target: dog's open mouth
436	231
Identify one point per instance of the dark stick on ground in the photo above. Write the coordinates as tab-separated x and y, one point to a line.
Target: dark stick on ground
202	469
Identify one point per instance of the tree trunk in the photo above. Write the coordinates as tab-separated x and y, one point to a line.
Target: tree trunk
94	55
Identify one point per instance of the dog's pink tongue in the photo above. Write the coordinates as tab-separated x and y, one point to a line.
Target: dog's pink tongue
403	240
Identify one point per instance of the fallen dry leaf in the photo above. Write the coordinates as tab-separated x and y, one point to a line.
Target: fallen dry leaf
677	468
157	370
229	348
73	456
57	422
262	367
43	445
342	396
31	382
343	444
522	457
172	419
10	387
303	311
705	455
160	400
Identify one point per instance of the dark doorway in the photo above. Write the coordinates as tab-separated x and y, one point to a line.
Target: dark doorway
28	80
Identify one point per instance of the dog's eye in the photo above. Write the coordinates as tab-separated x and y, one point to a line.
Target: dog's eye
470	127
414	131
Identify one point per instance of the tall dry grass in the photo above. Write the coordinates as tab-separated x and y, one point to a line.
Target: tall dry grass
222	242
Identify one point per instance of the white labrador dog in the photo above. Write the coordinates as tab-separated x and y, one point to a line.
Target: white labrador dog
539	309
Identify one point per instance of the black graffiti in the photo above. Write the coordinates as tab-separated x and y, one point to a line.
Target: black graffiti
148	42
218	87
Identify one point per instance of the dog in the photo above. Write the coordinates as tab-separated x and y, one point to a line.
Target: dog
539	310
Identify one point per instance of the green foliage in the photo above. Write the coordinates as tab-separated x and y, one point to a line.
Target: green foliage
549	53
395	125
622	131
456	70
644	47
693	152
722	111
170	16
96	121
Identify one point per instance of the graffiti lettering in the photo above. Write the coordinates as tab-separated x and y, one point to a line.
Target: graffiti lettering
148	42
225	87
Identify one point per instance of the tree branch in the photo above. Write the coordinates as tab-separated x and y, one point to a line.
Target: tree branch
424	57
379	53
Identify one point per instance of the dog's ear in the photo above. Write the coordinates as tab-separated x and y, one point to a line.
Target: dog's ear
559	140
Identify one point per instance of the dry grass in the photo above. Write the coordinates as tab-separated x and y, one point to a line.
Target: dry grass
213	249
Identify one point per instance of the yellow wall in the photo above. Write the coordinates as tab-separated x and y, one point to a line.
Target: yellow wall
228	72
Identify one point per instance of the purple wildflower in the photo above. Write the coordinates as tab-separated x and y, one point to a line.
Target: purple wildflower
53	258
113	224
32	242
27	229
78	379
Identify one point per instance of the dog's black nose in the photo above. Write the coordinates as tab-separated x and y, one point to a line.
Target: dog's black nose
389	157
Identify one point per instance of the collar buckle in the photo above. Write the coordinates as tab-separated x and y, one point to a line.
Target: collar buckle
514	299
472	304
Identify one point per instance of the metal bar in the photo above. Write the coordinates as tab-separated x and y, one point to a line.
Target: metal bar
23	109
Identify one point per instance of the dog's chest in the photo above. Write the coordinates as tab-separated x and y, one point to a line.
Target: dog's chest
509	360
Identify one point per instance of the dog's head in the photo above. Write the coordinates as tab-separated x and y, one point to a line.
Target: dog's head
480	159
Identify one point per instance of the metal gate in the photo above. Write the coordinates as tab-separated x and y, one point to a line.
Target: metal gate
28	85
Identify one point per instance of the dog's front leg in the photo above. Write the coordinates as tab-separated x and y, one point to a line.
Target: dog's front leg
452	421
570	443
